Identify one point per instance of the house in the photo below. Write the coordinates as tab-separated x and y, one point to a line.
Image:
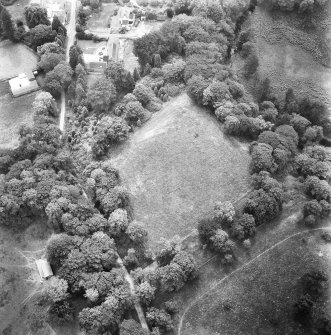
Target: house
44	269
22	84
127	17
95	62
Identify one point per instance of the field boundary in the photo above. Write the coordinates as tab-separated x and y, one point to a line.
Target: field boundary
240	268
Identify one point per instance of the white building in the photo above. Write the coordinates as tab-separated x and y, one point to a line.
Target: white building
21	85
44	269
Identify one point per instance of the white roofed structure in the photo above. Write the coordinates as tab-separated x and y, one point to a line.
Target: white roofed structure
44	269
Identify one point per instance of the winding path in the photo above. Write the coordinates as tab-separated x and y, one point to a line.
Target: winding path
71	32
137	305
181	321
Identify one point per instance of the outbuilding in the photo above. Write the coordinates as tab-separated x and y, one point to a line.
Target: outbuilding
44	269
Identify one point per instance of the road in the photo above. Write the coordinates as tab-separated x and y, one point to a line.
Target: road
71	32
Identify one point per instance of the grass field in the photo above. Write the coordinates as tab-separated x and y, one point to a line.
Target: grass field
18	275
16	59
100	21
14	112
177	165
258	298
291	55
17	9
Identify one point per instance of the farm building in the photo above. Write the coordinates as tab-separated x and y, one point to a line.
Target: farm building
44	269
21	85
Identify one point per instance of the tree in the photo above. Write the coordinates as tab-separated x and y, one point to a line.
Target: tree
102	95
75	55
58	26
220	242
122	78
159	318
57	79
102	319
187	263
41	34
196	85
57	289
167	249
50	60
44	104
131	327
145	292
183	7
6	24
251	65
170	13
157	60
171	277
314	282
232	125
262	158
143	93
136	232
303	307
136	75
207	228
244	227
264	206
111	130
216	92
318	189
35	16
51	47
118	222
63	310
224	212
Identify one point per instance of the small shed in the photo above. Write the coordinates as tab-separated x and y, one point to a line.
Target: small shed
44	269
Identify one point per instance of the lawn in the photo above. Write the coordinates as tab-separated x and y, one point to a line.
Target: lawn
17	9
260	296
16	59
177	165
14	112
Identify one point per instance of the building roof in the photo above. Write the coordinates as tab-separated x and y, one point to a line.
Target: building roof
44	268
96	66
21	85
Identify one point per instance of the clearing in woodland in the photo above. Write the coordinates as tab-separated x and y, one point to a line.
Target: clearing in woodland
177	166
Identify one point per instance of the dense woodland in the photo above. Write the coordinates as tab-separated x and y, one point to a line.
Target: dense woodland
97	239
